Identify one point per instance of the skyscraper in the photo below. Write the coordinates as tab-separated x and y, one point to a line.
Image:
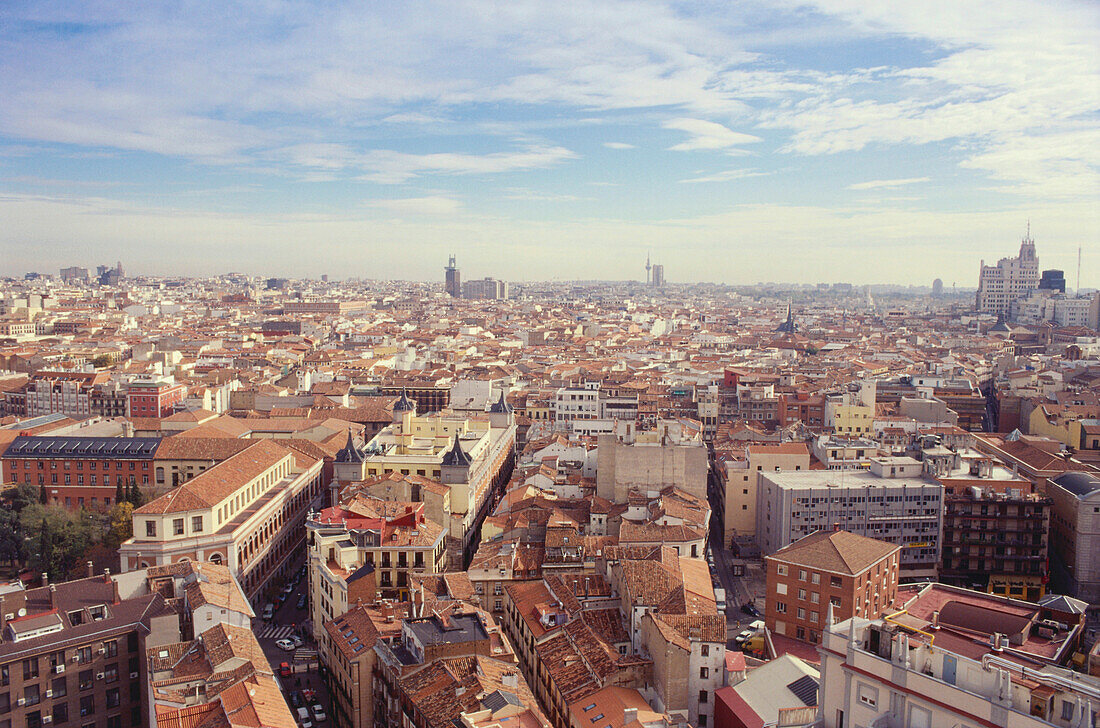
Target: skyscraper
453	283
658	279
1012	278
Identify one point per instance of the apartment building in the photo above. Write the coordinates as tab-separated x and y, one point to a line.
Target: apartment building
886	503
67	393
972	663
577	403
739	482
366	548
1075	533
153	398
247	512
73	653
80	471
828	571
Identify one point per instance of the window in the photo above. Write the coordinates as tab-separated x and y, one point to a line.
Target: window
781	588
60	712
781	607
4	678
110	673
868	695
704	673
32	695
5	702
30	668
34	719
813	617
150	528
84	680
87	705
131	642
704	650
802	594
815	578
111	648
802	575
112	698
815	597
834	582
196	524
177	526
1067	710
59	687
781	569
702	696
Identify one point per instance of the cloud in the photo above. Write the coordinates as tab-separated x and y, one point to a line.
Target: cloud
886	183
707	135
618	145
727	176
419	205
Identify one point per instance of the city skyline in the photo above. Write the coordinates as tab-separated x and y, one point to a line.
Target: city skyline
775	142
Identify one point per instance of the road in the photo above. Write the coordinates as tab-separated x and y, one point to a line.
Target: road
289	619
739	590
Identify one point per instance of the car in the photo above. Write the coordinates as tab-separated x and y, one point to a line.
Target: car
319	713
269	612
284	669
302	602
296	700
743	636
303	717
750	609
285	644
288	588
295	639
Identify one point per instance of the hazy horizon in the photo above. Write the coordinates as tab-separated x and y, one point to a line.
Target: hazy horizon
834	140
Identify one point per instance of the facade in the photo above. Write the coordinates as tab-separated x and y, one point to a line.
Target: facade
247	512
1075	533
68	393
828	572
364	549
485	288
903	510
153	399
1012	278
576	403
80	471
903	676
741	484
73	653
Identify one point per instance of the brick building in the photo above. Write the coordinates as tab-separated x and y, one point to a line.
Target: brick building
153	399
857	576
80	471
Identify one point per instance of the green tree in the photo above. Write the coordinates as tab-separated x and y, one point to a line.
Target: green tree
101	362
11	537
43	496
120	492
24	495
120	524
136	497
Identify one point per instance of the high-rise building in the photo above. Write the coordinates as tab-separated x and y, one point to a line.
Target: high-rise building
1053	280
658	279
937	288
486	288
453	279
1012	278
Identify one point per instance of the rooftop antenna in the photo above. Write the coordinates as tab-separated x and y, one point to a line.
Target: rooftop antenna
1077	290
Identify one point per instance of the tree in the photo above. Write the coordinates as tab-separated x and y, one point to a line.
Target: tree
11	537
101	362
120	492
136	497
24	495
43	496
120	524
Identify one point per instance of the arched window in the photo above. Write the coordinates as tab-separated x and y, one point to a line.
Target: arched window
215	558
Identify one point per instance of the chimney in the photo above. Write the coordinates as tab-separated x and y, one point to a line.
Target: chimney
45	579
52	591
936	620
89	569
510	680
629	715
106	575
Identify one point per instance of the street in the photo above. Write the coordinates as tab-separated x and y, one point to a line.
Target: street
749	588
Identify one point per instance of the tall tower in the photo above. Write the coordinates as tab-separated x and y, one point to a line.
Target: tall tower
648	268
453	279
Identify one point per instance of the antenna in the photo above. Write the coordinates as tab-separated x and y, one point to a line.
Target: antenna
1077	290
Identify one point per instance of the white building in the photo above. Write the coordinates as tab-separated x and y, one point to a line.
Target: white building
576	403
999	285
886	503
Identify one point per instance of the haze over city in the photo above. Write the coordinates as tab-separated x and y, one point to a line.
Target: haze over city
798	142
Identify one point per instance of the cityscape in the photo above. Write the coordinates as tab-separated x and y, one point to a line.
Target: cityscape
620	365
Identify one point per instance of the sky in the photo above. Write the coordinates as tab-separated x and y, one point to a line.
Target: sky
830	140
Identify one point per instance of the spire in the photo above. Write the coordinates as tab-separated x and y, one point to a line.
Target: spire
404	404
456	455
349	453
501	406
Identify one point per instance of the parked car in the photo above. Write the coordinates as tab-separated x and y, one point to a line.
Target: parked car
303	717
269	612
742	636
284	669
296	700
296	640
285	644
302	602
319	713
288	588
750	609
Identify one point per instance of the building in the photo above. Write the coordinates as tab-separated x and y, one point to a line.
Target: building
889	503
651	464
953	658
73	653
452	279
658	279
247	512
576	403
1053	280
781	692
472	457
324	308
68	393
75	274
485	288
363	549
837	570
80	472
153	398
1012	278
740	484
1075	533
